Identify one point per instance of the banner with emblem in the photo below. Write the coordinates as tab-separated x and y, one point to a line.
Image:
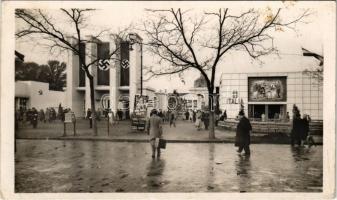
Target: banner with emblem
103	74
125	65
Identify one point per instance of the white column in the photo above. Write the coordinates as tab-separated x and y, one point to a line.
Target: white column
74	98
134	68
114	79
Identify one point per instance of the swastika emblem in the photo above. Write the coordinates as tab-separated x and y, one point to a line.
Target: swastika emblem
103	65
125	63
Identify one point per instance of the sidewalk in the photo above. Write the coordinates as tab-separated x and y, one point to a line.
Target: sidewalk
122	132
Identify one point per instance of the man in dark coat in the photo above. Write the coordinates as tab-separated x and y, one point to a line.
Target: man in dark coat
297	128
243	131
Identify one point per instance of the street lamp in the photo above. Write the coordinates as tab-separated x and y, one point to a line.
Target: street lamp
135	39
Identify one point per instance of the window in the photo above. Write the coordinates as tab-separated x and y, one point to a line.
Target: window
235	94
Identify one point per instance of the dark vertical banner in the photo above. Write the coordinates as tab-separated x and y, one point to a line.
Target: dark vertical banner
81	75
125	65
103	74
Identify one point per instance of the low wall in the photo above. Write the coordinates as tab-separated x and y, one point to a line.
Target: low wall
316	127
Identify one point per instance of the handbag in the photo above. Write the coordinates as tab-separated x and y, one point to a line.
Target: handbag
162	143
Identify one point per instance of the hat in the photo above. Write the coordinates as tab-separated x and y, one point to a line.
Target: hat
242	113
154	111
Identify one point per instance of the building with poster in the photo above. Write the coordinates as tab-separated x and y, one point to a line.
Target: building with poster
273	89
119	79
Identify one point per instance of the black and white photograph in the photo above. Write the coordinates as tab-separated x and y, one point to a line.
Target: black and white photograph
144	100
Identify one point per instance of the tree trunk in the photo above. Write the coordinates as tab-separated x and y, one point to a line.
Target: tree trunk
93	109
211	116
211	125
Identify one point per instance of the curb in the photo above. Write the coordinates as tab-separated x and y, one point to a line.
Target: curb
146	140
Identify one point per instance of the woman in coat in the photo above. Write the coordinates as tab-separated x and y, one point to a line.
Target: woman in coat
198	120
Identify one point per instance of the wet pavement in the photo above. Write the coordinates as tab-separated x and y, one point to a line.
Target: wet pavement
99	166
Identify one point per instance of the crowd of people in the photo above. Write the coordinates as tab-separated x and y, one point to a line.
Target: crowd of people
300	129
33	116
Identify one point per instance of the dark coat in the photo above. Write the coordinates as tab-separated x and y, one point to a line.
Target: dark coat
243	129
297	129
305	129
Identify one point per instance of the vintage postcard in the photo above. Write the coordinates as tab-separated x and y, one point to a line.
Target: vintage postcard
168	100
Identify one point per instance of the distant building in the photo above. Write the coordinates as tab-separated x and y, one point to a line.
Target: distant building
119	79
30	94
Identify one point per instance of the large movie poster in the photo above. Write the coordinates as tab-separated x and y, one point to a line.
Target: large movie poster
267	89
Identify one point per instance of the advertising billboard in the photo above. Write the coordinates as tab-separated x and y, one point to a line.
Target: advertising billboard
267	89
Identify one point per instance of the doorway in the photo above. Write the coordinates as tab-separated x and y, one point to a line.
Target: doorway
271	110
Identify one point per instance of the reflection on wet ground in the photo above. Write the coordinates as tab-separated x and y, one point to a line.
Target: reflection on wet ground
88	166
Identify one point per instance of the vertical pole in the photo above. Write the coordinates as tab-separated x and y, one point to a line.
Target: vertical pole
108	126
64	129
141	69
74	123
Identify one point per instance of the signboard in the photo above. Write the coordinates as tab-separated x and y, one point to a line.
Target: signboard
141	105
69	117
267	89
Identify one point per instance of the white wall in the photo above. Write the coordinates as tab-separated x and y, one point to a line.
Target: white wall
39	100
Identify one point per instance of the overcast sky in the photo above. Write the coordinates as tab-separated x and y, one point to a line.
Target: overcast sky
114	15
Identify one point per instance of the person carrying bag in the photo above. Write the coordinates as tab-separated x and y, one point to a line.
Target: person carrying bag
155	130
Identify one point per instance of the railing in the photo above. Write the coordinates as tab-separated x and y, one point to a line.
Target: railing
268	127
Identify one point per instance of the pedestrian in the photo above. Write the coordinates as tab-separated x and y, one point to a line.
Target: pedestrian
206	119
296	130
161	115
217	118
194	116
172	119
89	116
287	117
98	114
305	129
243	132
263	117
47	115
42	116
198	120
155	130
187	115
34	117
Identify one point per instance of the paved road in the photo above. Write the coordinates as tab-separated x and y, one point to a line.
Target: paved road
92	166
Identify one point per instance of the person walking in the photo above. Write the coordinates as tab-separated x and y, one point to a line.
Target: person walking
42	116
296	130
198	120
187	115
206	119
194	118
243	132
89	117
34	117
305	129
172	119
155	131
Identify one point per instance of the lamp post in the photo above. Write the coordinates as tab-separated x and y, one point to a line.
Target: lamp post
134	38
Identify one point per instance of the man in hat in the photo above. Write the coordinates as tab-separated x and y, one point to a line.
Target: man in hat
155	130
243	131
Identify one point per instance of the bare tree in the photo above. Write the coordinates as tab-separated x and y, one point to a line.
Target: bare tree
59	36
180	40
317	72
